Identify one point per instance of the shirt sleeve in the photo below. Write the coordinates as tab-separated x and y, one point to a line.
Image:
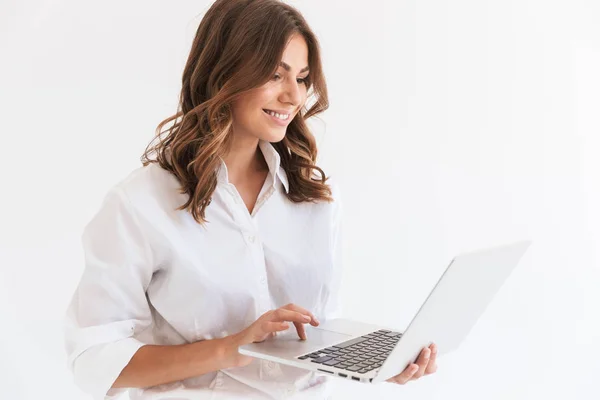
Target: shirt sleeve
333	307
109	306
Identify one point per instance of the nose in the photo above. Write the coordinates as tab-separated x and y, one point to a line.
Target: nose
292	93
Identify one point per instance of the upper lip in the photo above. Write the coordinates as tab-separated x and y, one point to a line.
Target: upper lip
279	111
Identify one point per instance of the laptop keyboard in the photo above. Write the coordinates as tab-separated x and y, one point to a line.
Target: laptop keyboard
361	354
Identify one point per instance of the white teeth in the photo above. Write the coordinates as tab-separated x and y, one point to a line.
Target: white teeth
282	117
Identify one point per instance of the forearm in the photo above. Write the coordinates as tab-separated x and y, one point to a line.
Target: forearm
154	365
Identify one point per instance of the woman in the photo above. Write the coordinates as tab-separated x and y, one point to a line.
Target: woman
228	235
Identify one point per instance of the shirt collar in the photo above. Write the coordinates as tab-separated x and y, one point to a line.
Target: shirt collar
273	162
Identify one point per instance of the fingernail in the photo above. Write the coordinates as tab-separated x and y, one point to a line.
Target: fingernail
306	318
427	353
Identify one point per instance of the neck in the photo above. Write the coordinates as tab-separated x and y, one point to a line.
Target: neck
244	158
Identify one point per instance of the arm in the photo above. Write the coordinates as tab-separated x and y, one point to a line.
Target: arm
109	312
155	365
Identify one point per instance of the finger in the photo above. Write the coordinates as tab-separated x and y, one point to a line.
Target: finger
405	376
268	329
300	330
275	326
422	363
303	311
432	365
297	318
282	314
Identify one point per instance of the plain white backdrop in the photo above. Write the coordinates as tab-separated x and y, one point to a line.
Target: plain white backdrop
453	126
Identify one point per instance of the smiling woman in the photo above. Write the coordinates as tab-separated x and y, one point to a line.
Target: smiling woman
247	76
224	237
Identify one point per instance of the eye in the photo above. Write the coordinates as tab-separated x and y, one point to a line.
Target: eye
304	80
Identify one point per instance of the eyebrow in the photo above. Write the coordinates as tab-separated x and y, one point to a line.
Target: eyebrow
287	67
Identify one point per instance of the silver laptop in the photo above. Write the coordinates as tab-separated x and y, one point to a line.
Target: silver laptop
372	353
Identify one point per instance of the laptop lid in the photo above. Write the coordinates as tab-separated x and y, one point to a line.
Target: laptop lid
456	302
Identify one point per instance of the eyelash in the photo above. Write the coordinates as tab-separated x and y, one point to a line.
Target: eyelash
303	80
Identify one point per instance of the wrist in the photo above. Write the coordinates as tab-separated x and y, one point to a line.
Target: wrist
228	350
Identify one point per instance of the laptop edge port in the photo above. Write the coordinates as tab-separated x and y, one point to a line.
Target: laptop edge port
342	375
356	378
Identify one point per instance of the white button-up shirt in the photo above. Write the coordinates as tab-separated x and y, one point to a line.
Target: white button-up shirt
153	275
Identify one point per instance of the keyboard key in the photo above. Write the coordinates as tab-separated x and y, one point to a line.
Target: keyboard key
351	342
321	359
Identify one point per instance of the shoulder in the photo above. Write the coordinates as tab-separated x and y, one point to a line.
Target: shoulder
151	185
325	210
330	169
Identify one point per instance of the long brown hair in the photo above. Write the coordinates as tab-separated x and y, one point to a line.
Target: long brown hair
237	47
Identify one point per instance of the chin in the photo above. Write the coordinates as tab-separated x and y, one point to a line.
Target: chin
274	137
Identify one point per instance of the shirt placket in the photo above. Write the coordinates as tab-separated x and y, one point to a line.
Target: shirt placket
252	238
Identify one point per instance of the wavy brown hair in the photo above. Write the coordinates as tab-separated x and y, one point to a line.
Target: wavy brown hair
237	48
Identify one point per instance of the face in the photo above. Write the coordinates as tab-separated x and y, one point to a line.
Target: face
285	94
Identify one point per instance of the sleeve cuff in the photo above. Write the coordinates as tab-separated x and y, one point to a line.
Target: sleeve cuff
97	368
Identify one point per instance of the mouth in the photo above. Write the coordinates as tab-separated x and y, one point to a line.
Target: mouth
278	118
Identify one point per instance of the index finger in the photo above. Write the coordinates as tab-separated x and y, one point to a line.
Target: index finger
298	319
282	314
301	310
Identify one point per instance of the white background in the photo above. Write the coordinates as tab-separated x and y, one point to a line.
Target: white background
453	126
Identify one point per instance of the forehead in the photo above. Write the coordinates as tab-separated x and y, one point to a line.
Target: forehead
295	53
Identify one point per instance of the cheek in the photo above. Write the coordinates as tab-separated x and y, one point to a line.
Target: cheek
243	111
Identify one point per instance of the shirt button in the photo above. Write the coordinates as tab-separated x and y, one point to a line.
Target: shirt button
270	364
263	280
251	238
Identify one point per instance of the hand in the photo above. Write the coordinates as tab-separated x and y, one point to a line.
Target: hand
267	325
425	366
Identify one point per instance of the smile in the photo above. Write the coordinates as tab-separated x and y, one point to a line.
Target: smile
282	117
